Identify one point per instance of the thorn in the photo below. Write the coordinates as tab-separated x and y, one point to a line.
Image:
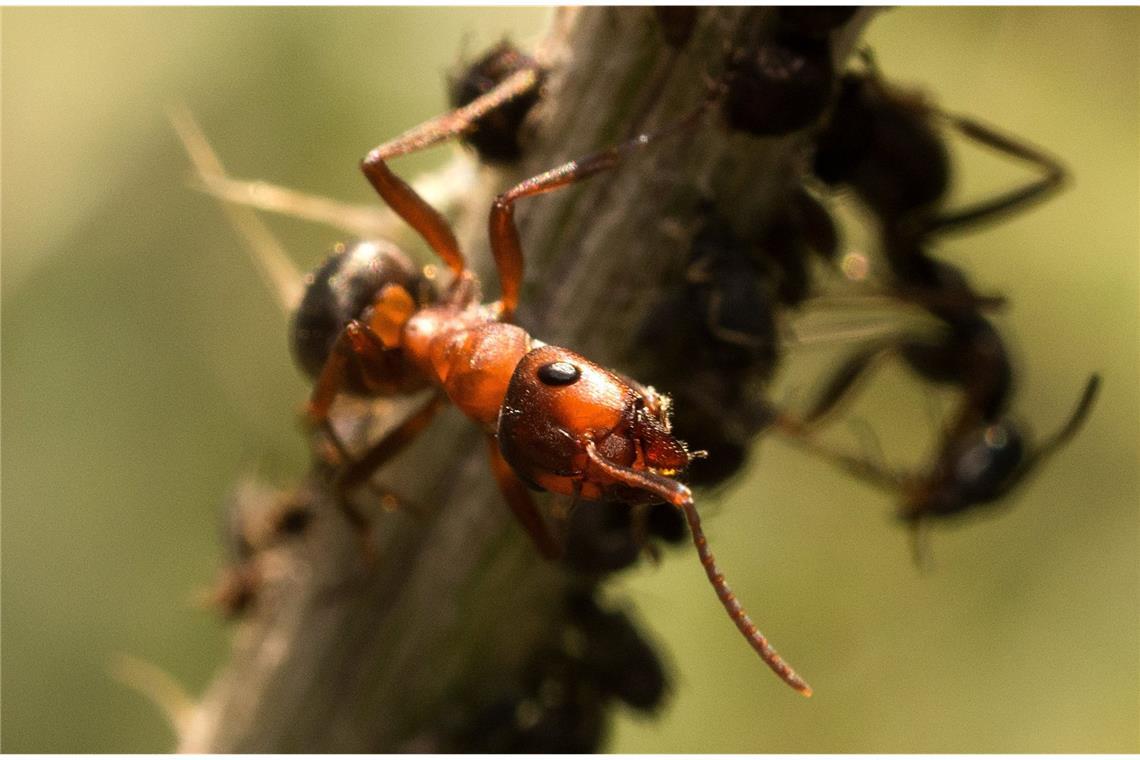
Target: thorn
282	277
157	686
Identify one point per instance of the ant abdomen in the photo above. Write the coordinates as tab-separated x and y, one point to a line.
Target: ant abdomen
343	288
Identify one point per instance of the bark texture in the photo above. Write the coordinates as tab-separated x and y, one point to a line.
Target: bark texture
338	655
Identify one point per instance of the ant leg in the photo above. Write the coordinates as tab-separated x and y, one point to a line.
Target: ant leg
799	434
393	442
404	200
522	504
679	496
367	344
1013	200
505	246
844	380
275	267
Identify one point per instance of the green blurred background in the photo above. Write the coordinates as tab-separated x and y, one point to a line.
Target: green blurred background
145	369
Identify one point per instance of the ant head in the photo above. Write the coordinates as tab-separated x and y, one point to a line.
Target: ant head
343	288
557	401
977	467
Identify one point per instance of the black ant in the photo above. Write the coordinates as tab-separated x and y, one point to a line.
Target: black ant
883	143
984	453
554	420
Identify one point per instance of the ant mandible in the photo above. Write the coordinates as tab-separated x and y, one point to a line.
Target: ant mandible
553	419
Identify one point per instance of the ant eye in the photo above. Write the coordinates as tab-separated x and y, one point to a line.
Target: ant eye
558	373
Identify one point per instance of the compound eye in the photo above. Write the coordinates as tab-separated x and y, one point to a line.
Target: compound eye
559	373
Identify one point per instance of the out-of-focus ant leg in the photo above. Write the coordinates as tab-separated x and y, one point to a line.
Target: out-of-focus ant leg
844	380
1008	202
519	499
393	442
800	434
400	196
364	221
681	497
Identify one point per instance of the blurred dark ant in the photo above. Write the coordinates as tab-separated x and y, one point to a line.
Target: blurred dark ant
984	453
553	419
884	143
495	134
785	80
257	518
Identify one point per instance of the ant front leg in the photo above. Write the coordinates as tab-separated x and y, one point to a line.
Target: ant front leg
404	200
505	245
843	381
519	499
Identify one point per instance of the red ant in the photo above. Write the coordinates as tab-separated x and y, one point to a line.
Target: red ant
370	325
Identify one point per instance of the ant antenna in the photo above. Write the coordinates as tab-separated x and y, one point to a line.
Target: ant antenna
274	265
1072	425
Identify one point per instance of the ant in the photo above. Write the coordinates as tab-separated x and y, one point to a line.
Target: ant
553	419
984	453
883	143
